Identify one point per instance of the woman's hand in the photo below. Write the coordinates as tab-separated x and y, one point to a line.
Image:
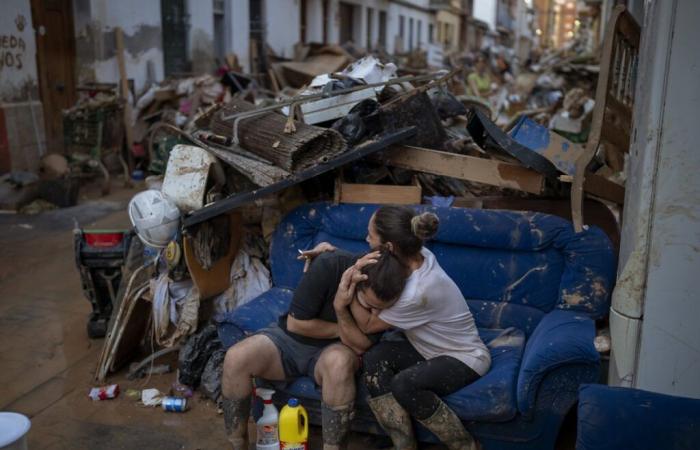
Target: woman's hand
369	258
346	288
309	255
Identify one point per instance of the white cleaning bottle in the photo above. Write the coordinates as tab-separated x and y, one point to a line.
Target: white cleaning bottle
268	424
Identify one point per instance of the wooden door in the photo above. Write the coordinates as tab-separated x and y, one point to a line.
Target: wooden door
55	54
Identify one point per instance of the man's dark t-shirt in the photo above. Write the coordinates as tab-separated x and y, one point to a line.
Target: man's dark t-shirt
313	298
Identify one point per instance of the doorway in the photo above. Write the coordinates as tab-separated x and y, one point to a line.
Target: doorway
174	23
55	55
347	23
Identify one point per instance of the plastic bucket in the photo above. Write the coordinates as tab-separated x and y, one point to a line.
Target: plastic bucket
13	431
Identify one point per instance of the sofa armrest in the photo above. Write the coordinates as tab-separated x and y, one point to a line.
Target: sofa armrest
262	311
561	338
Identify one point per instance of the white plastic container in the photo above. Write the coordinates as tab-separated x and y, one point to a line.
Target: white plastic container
268	437
13	431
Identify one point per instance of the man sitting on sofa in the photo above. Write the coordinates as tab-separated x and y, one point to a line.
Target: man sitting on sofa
308	341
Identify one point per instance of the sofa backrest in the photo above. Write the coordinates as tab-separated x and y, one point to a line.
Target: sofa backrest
512	267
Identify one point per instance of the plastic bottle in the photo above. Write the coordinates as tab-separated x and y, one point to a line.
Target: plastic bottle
294	426
268	423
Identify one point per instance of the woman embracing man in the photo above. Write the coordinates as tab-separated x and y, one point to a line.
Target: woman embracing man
435	348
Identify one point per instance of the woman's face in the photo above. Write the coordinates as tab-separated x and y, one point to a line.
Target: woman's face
372	237
480	65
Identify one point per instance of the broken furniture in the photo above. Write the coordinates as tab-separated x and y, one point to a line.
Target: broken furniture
612	115
611	418
236	200
533	285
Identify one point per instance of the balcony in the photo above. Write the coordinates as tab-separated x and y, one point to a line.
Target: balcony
454	6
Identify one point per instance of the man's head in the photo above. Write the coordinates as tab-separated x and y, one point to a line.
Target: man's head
385	281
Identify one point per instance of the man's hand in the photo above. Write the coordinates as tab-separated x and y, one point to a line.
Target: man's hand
346	288
309	255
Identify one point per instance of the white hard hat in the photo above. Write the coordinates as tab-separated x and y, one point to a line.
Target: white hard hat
155	218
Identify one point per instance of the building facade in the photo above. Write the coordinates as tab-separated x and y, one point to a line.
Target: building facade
51	48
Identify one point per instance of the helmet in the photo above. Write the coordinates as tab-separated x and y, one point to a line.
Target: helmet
155	218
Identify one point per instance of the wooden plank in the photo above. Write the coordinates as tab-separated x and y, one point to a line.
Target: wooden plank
124	83
487	171
601	187
379	194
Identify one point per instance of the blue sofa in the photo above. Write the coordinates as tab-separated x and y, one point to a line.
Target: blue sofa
611	418
533	285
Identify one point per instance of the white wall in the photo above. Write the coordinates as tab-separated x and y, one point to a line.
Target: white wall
240	31
18	73
19	88
283	26
201	35
485	10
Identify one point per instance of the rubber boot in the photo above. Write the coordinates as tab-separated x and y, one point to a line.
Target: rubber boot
445	424
394	420
336	425
236	414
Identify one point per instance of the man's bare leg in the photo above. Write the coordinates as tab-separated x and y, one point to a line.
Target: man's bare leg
256	356
335	372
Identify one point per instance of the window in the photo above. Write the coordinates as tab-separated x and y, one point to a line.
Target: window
370	16
410	34
219	30
431	32
420	33
382	29
402	25
346	12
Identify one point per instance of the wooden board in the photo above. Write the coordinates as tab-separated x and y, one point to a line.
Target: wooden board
125	94
487	171
377	193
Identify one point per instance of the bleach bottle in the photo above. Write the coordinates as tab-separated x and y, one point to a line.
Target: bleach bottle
294	426
267	425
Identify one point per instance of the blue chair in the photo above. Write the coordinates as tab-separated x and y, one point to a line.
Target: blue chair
533	285
612	418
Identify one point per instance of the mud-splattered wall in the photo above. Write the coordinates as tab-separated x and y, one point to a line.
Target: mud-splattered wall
95	22
22	139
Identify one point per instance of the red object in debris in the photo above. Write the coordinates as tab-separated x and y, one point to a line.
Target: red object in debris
102	240
138	150
104	393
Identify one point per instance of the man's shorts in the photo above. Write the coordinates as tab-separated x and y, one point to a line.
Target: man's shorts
298	359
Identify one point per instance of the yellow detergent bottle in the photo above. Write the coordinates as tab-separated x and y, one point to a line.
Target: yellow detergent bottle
294	426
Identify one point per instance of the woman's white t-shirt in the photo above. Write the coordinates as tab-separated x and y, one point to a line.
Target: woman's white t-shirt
436	319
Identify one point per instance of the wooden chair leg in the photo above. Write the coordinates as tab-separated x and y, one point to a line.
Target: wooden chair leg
577	189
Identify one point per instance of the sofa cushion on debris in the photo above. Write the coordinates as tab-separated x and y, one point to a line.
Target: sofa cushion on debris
533	285
611	418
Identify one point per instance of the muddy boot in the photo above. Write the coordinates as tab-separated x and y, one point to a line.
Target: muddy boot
236	413
336	425
445	424
394	420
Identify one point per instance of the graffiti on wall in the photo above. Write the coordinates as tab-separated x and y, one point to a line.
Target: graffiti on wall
13	47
